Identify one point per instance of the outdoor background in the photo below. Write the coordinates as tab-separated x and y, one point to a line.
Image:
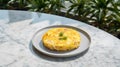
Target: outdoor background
103	14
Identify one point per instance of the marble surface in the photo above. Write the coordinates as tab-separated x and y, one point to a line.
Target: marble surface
16	50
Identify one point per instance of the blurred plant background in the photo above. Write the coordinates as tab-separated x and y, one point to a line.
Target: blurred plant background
103	14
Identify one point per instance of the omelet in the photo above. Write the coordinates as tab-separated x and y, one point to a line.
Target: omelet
61	39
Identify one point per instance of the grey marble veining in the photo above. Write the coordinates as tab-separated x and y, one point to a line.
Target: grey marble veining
18	27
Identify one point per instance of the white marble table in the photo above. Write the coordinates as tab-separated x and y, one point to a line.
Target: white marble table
18	27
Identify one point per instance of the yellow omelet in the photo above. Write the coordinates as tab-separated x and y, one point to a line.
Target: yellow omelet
61	39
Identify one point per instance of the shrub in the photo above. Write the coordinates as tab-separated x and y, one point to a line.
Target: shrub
3	4
104	14
17	4
49	6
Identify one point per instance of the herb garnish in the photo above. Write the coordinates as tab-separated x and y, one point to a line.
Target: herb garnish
61	34
62	37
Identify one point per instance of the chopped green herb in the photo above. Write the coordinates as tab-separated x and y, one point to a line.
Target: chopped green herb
63	38
61	34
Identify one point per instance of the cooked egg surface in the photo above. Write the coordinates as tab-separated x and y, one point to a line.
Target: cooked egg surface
61	39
